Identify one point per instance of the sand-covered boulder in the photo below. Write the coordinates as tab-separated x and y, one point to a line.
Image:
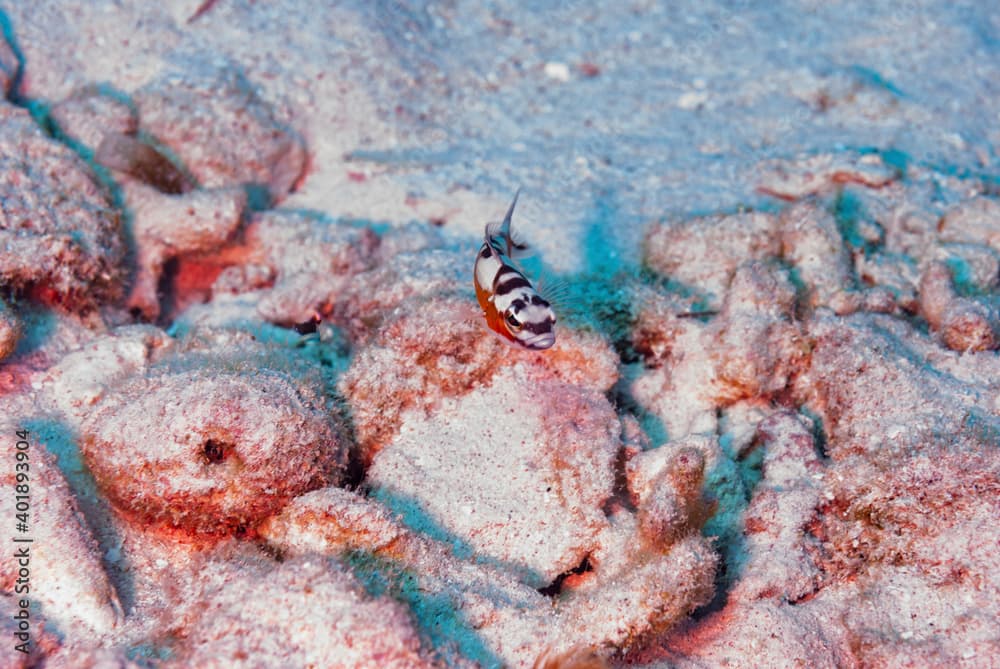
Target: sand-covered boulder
220	128
525	487
702	253
308	608
75	594
448	352
167	226
480	611
239	429
312	261
59	230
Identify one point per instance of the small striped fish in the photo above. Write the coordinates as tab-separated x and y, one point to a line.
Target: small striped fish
512	307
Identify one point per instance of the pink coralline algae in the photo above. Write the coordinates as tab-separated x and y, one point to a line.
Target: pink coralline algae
227	447
59	231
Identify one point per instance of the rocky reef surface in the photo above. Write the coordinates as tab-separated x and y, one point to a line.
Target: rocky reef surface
253	416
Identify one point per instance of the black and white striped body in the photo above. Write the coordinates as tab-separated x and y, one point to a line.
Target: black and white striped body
513	308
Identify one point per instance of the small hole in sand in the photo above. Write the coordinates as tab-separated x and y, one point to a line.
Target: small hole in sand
215	451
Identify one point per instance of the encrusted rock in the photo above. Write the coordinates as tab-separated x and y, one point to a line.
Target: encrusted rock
448	352
811	242
10	330
308	608
223	132
89	115
313	261
703	253
84	376
166	226
757	344
212	444
525	487
963	324
74	594
782	506
974	221
479	609
59	232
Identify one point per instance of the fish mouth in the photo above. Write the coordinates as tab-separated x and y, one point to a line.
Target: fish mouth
540	341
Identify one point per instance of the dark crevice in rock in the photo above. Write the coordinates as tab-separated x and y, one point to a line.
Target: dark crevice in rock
165	292
553	589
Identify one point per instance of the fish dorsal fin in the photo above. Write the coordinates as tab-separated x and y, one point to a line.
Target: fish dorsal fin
505	225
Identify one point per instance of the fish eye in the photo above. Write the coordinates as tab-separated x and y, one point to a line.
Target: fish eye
512	321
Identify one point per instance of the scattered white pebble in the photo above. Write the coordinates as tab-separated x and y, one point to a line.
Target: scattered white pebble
557	71
692	99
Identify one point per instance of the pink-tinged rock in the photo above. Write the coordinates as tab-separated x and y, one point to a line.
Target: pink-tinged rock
212	440
757	344
475	613
306	611
745	634
88	115
449	352
868	380
975	221
404	279
83	377
634	592
798	178
964	324
476	610
703	253
313	261
516	472
812	244
680	391
65	575
222	131
780	510
168	226
59	231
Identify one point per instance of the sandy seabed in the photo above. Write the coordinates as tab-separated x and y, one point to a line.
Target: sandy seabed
767	434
